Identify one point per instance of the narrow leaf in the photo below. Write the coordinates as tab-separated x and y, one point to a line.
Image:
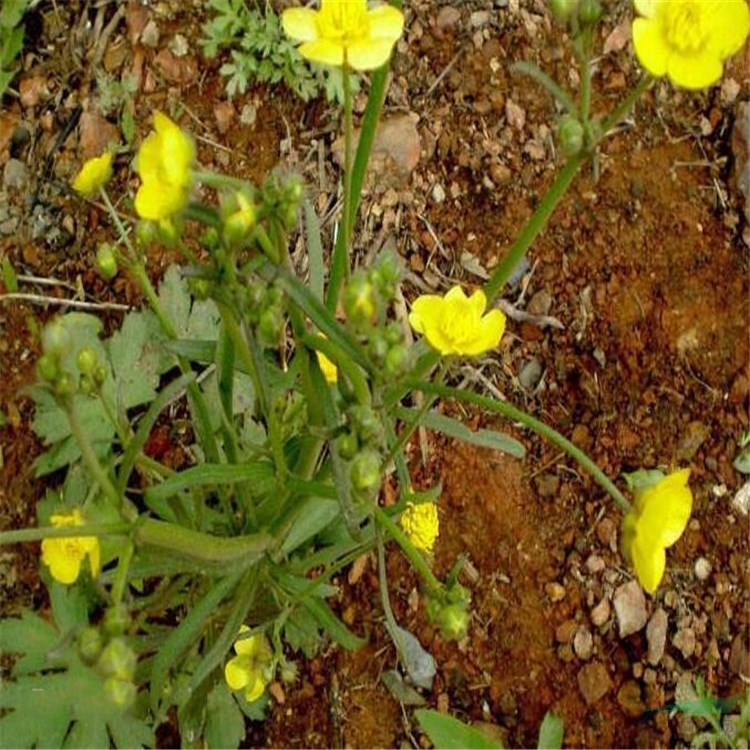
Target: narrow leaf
447	733
551	732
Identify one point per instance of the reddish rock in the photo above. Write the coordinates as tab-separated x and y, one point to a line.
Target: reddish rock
95	133
594	682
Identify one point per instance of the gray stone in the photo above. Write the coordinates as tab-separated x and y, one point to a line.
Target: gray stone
656	635
685	640
702	569
583	643
447	17
531	374
630	608
594	682
480	18
540	303
600	614
14	174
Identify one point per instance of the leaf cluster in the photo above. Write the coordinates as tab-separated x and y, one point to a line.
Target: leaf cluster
11	39
260	51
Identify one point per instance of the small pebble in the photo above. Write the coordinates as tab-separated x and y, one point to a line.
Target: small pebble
531	374
595	564
600	613
583	643
684	641
702	569
594	682
630	608
656	636
555	591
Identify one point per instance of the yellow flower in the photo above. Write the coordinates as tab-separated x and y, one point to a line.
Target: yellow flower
688	40
421	524
64	555
164	166
345	31
247	670
659	516
455	324
94	174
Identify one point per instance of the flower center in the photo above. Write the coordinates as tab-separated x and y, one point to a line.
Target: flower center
343	19
457	324
684	26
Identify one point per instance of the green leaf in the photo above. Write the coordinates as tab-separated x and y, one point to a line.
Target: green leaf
314	514
225	726
9	276
551	732
447	733
63	708
432	420
259	473
742	462
314	250
11	12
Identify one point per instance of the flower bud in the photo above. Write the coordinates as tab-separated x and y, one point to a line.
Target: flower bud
48	368
450	613
570	135
365	470
360	303
90	644
86	360
116	621
100	374
589	12
366	423
396	360
120	692
117	660
270	326
562	10
55	338
240	216
106	262
348	445
64	386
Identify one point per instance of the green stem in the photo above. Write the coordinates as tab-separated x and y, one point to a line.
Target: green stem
340	257
121	574
585	64
215	553
344	364
500	407
18	536
416	559
90	458
535	225
622	109
535	73
118	223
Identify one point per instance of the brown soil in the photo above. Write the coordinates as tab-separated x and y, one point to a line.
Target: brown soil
644	267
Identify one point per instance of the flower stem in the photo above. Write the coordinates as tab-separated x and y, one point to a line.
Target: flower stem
340	257
16	536
535	225
121	574
117	222
90	458
500	407
416	559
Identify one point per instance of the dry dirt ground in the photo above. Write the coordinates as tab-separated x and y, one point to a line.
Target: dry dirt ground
643	266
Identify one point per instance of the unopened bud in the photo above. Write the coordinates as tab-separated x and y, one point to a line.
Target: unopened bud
48	368
86	360
562	10
589	12
116	621
570	135
117	660
90	644
106	262
365	470
120	692
55	338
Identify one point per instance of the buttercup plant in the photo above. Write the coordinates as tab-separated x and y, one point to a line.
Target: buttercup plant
206	577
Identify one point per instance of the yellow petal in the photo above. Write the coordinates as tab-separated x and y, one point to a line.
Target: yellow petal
63	559
650	47
728	23
94	174
646	8
478	303
155	200
323	51
238	672
329	370
253	646
386	22
94	553
255	687
649	562
368	54
427	307
300	24
666	508
492	327
694	71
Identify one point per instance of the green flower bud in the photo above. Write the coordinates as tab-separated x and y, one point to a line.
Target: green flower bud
271	326
100	374
211	239
360	302
589	12
378	346
86	385
200	288
90	644
116	621
117	660
147	232
86	360
64	386
397	359
570	135
365	470
239	215
394	333
562	10
55	338
348	445
450	613
366	423
120	692
106	262
48	368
